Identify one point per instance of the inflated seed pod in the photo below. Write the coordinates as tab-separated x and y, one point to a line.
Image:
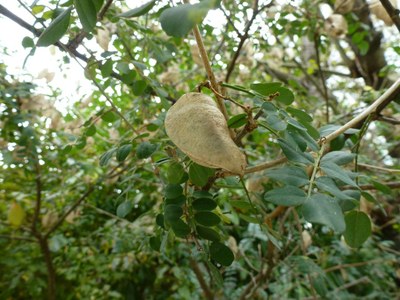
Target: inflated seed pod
197	127
344	6
336	25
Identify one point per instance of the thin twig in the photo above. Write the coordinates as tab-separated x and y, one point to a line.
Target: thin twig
392	12
18	238
387	170
70	210
38	202
366	187
321	76
266	165
353	265
197	271
210	73
386	97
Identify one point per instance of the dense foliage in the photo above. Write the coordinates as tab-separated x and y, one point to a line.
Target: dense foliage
97	202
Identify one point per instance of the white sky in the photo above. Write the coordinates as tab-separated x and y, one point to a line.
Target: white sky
71	81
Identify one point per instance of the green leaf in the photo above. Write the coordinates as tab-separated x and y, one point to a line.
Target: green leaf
16	215
241	204
289	175
199	175
37	9
299	114
138	87
175	173
123	152
333	170
275	122
285	96
180	228
322	209
87	14
207	218
105	157
237	121
172	213
295	155
109	116
207	233
124	209
106	68
204	204
216	275
327	184
91	130
286	196
358	228
180	200
266	89
202	194
55	30
338	157
145	150
173	191
179	20
155	243
221	254
27	42
382	187
138	11
160	220
269	108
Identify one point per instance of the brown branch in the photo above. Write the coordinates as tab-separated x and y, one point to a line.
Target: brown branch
243	37
366	187
104	9
375	108
352	265
5	12
266	165
51	274
199	275
38	202
321	76
210	73
392	12
70	210
18	238
388	120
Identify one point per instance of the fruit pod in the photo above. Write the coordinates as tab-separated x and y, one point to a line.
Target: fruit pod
197	127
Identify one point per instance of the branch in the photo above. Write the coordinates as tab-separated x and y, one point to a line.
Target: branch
366	187
352	265
243	37
321	76
206	290
266	165
38	197
392	12
70	210
18	238
51	274
375	107
382	169
210	73
5	12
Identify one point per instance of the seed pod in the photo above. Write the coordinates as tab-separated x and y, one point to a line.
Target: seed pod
335	25
344	6
197	127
